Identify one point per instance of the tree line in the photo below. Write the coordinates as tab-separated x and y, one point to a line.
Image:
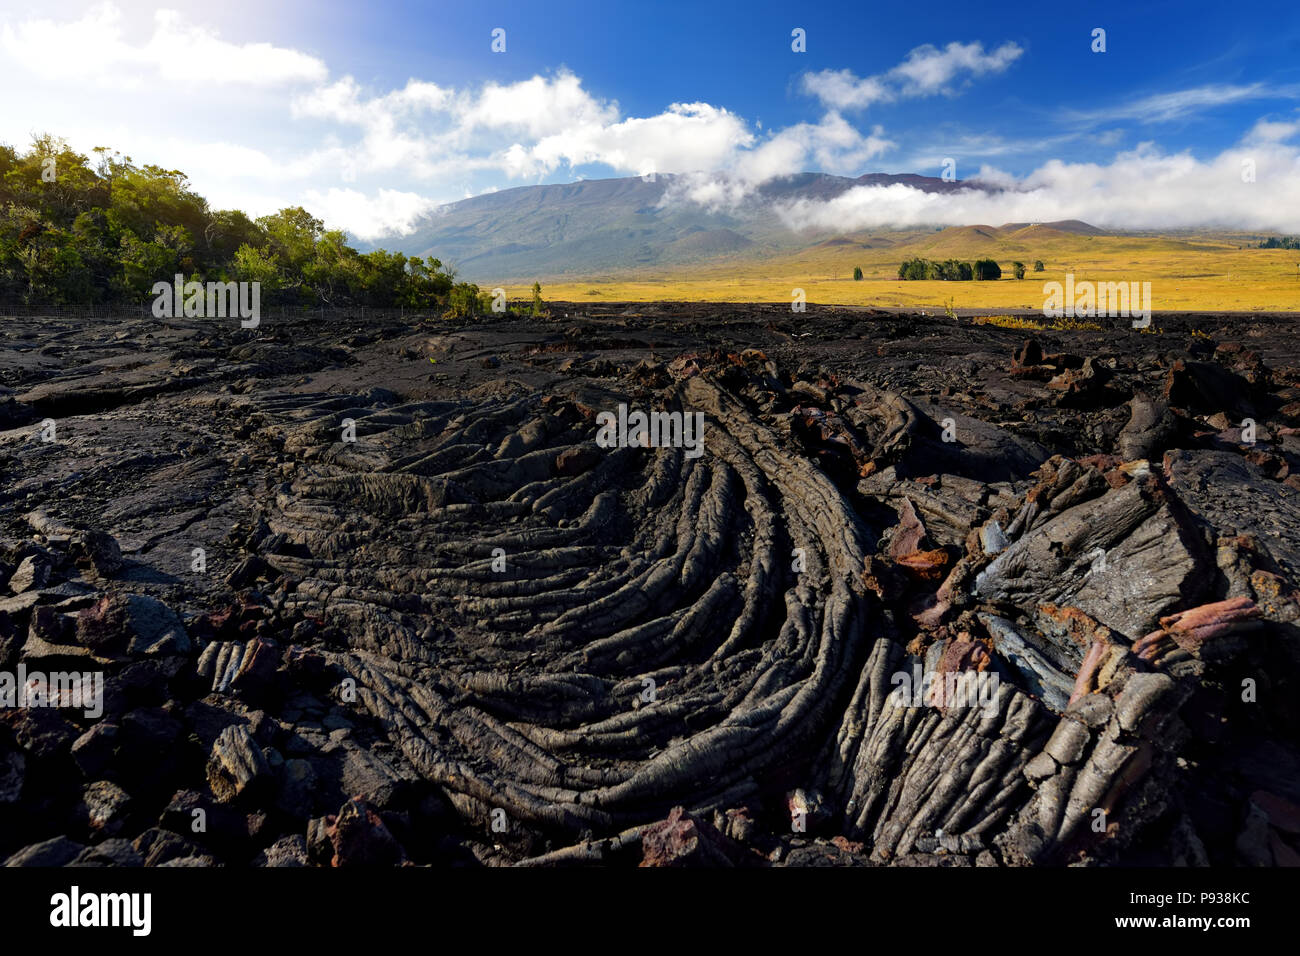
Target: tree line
76	232
951	270
954	270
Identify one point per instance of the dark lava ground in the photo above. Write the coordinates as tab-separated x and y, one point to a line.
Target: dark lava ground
473	636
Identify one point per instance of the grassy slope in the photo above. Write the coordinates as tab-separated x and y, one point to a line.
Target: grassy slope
1187	272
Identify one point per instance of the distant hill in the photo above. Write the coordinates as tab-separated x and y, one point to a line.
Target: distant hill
616	225
1014	240
1072	226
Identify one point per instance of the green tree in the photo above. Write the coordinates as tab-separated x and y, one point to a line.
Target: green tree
225	231
914	269
291	236
1038	265
144	262
857	273
75	230
538	306
383	277
950	270
1019	269
987	269
953	271
256	265
463	301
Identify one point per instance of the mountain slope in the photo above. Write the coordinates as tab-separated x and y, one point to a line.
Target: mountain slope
616	225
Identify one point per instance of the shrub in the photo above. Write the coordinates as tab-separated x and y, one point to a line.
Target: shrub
1038	265
924	269
465	301
951	270
857	273
987	269
1018	268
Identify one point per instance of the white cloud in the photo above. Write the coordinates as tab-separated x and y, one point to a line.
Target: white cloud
684	138
965	149
1179	104
1141	189
388	212
537	107
523	130
927	70
844	90
93	49
460	131
832	145
194	55
1273	131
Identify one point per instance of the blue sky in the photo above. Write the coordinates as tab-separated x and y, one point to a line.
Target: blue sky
374	114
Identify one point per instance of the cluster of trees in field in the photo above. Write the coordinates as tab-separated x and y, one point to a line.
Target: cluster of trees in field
954	270
1286	242
74	232
951	270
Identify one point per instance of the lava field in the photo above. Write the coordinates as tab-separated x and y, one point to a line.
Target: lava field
367	590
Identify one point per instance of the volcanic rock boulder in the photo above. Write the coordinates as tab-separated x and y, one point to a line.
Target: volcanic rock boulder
237	766
1232	495
1126	558
682	840
1152	425
923	438
360	838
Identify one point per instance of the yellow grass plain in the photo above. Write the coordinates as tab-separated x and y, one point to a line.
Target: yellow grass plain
1186	274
